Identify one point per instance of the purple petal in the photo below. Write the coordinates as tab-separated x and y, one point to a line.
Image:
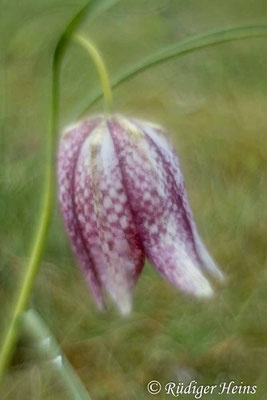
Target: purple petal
69	148
167	151
157	203
106	218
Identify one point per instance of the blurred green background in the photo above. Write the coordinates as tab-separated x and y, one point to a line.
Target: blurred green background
213	102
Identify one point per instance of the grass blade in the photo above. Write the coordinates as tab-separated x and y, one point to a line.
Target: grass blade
48	346
188	45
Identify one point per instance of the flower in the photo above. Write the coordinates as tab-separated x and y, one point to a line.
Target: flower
123	198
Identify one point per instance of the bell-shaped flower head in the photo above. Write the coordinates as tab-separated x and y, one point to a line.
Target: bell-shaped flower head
123	198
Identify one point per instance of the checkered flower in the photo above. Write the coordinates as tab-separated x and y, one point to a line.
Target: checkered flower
123	198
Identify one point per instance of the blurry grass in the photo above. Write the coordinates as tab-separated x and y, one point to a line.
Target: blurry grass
214	105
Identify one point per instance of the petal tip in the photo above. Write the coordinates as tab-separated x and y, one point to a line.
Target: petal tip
221	276
204	291
125	308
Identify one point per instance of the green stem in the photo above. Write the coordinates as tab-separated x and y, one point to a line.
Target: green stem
102	71
24	291
48	346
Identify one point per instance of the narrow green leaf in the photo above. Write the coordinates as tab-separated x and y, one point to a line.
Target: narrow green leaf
47	345
188	45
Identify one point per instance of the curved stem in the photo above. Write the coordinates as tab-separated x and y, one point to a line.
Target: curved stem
38	245
183	47
25	288
102	71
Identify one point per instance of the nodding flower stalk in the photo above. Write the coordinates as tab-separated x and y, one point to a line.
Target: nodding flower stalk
123	198
102	72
